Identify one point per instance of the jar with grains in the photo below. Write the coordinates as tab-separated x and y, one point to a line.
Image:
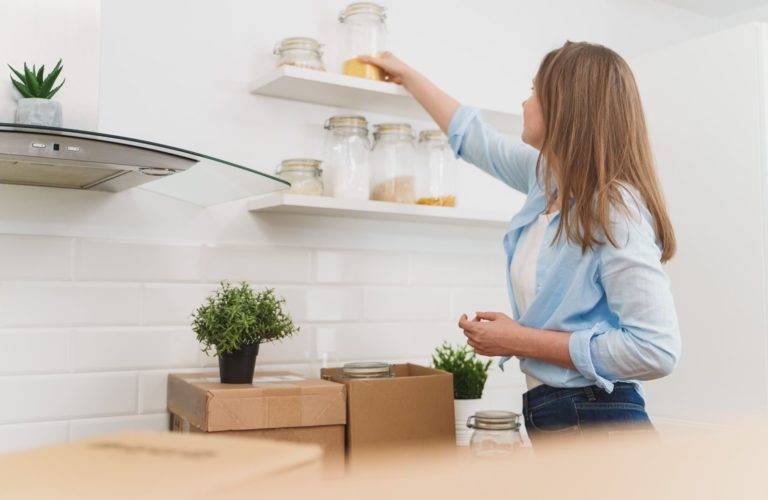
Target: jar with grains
367	370
392	163
301	52
365	34
435	170
304	174
347	172
496	433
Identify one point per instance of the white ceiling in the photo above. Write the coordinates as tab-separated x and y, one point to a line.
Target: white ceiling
715	8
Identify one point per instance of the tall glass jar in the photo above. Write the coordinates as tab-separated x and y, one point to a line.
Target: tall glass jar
301	52
497	433
304	174
370	369
392	163
365	34
347	173
436	170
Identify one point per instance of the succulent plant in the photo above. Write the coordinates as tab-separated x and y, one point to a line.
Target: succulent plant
35	83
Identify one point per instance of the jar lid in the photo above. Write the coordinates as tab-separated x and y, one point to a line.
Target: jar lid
372	369
494	420
363	8
392	129
341	121
432	135
298	43
299	164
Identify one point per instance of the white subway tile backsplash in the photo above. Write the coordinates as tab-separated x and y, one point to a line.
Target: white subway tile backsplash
35	257
92	427
67	304
336	266
334	304
457	269
469	300
33	351
256	263
125	348
51	397
127	261
406	303
172	304
17	437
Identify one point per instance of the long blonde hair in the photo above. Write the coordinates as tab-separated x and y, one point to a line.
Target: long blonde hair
595	141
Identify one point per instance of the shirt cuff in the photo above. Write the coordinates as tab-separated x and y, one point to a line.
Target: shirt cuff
460	120
580	351
502	361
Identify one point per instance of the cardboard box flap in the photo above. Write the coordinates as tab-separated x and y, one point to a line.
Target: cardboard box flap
274	400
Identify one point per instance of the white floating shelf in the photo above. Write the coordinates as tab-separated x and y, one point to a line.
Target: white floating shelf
332	89
375	210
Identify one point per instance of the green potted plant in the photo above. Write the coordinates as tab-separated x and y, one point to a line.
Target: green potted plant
234	321
36	107
469	377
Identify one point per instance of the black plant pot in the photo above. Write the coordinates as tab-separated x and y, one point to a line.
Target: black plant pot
236	367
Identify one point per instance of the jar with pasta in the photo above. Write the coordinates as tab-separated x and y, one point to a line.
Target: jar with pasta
347	172
392	163
300	52
365	34
435	170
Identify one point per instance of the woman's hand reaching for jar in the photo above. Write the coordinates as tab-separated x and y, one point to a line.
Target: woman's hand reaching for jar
395	70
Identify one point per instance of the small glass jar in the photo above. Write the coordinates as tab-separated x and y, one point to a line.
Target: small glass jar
347	172
497	433
301	52
367	370
436	170
304	174
392	163
365	34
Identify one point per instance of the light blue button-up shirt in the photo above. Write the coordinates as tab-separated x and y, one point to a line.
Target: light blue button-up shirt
616	302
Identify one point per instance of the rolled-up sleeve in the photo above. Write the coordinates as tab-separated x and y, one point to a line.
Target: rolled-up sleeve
507	158
645	344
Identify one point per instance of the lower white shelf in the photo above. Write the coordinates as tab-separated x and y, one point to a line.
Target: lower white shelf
375	210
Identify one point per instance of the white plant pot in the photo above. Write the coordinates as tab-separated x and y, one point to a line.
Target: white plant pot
34	111
465	408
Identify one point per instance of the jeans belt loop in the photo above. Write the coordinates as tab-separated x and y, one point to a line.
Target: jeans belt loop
590	394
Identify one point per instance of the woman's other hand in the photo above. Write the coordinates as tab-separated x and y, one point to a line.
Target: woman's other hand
493	334
395	70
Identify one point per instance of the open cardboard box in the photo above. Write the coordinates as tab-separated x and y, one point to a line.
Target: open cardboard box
415	406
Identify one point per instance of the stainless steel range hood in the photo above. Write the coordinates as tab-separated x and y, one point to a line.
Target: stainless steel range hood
77	159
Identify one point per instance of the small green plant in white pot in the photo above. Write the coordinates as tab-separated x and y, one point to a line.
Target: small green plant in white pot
469	377
234	321
36	105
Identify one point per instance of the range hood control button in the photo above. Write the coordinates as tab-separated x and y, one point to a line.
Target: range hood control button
39	145
73	149
157	172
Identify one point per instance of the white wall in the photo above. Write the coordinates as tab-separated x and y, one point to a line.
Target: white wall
96	289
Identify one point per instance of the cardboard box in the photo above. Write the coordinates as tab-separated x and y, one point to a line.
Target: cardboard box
153	465
414	406
278	405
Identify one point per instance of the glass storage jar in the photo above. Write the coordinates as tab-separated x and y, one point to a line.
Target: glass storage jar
497	433
304	174
370	369
301	52
347	173
392	163
436	170
365	34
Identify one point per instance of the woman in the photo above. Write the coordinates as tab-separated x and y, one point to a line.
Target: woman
593	303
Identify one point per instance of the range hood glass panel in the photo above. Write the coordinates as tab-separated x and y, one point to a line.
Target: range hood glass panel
208	181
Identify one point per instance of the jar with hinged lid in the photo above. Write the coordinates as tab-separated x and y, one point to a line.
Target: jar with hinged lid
393	160
435	170
301	52
496	433
367	370
346	168
365	34
304	174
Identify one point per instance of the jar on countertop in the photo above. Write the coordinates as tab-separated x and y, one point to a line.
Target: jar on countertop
496	433
365	34
435	170
393	160
347	171
367	370
302	52
304	174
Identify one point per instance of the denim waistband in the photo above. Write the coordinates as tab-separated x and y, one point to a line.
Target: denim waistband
544	393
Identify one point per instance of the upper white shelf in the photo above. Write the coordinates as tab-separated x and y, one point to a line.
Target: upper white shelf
331	89
283	202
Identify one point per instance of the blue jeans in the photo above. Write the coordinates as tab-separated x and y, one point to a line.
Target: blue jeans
549	411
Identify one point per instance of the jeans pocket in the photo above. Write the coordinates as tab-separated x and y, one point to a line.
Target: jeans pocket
555	416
